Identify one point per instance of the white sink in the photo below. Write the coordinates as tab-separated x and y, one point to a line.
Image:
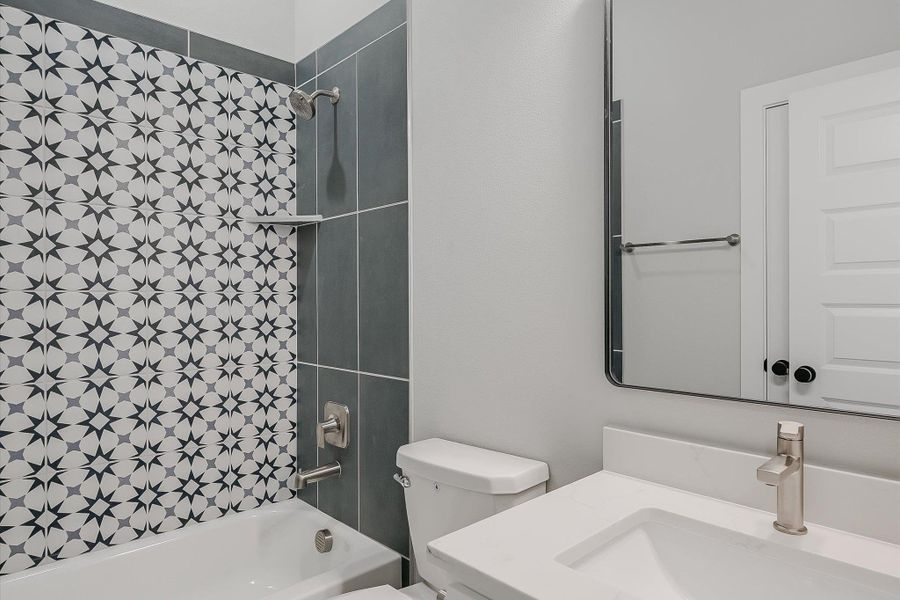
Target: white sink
612	537
657	555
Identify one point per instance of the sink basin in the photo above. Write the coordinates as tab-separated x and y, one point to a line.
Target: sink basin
657	555
613	537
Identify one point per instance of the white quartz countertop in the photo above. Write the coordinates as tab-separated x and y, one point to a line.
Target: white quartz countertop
516	554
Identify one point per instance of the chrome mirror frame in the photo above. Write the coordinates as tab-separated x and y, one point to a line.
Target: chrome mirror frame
610	248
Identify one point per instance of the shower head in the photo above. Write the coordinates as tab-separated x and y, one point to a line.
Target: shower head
304	103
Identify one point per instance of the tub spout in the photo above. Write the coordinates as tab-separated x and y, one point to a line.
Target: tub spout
302	479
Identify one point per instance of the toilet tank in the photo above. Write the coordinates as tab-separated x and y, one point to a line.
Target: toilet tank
454	485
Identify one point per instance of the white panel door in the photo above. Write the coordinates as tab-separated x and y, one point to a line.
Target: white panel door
845	243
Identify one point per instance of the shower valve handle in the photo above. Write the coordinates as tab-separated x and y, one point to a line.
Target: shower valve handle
335	429
328	426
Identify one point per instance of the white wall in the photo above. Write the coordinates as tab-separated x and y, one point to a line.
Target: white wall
318	21
506	252
266	27
679	69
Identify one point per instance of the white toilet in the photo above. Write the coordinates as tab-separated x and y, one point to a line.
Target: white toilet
451	486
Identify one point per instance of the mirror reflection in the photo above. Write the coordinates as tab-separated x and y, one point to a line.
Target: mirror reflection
764	138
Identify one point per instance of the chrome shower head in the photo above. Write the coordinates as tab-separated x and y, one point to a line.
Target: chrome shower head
304	103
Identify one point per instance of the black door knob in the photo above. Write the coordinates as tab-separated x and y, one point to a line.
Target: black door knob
805	374
781	368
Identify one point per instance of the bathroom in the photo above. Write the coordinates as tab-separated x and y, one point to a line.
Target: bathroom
467	300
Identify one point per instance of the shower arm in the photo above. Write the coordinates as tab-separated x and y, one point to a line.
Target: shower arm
334	94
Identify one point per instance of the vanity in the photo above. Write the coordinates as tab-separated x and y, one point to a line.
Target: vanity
674	520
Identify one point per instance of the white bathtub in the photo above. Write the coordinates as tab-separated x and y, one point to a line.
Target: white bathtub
264	553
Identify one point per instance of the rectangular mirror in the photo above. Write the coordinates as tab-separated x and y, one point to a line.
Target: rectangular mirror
753	200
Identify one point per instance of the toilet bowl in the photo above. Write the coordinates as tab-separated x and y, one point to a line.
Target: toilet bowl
449	486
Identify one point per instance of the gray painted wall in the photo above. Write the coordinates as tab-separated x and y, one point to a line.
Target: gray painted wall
506	220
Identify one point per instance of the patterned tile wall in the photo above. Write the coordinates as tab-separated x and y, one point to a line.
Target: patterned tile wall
147	335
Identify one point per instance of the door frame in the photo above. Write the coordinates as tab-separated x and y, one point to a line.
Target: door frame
755	102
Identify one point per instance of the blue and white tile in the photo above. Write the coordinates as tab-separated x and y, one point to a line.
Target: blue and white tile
22	431
22	244
187	176
266	329
93	334
93	423
21	55
264	183
186	252
22	519
21	150
281	455
188	487
261	117
92	508
22	337
92	247
187	330
168	91
252	396
207	97
265	259
94	160
251	474
188	410
95	74
264	401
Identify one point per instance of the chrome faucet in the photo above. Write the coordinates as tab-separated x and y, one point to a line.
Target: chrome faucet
304	478
785	472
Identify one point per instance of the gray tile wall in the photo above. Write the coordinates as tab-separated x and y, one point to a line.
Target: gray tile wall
148	347
353	283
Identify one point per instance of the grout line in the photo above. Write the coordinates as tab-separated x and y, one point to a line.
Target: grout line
358	328
316	146
366	373
357	51
359	212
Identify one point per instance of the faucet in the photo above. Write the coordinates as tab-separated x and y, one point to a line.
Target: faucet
334	430
785	472
304	478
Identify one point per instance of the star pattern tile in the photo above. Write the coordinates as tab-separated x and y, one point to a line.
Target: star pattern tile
147	335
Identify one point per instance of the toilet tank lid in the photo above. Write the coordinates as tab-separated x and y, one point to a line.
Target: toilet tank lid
471	468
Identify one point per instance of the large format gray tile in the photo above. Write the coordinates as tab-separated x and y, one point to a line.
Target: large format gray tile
382	121
336	150
307	417
305	69
240	59
365	31
307	301
306	161
384	291
337	293
383	427
109	19
340	497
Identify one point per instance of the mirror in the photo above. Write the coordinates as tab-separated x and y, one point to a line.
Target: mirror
763	137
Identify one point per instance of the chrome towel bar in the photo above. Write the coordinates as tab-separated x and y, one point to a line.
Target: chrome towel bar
733	240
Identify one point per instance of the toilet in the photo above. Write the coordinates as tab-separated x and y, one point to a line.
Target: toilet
447	487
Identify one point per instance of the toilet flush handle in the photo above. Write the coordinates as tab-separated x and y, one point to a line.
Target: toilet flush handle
402	480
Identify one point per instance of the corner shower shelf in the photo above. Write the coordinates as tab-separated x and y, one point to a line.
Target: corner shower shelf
294	220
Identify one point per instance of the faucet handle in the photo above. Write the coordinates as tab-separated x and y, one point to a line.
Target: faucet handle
790	430
328	426
335	430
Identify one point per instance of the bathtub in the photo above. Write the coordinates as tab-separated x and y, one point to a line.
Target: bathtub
264	553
